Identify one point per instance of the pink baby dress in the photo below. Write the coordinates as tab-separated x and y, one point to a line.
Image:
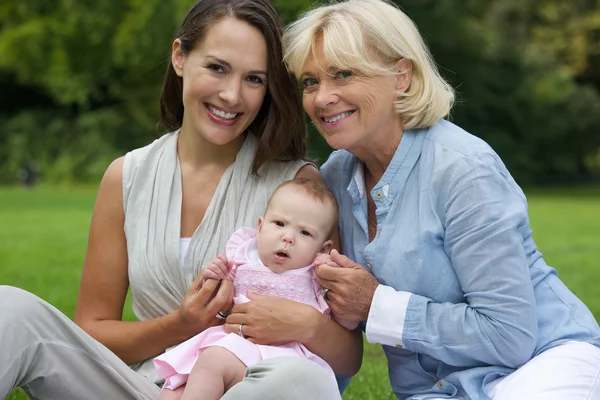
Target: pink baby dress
249	274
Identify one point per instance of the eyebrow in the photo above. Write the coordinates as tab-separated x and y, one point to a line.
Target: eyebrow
330	71
226	64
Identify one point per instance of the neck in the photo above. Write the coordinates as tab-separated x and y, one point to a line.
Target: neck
377	156
196	152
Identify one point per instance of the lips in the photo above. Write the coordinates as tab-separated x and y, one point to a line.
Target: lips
281	256
220	116
333	118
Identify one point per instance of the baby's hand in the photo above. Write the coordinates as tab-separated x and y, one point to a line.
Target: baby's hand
322	258
216	269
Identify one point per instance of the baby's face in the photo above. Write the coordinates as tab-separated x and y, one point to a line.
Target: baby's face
294	229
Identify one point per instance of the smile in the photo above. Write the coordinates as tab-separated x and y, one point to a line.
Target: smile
337	117
221	113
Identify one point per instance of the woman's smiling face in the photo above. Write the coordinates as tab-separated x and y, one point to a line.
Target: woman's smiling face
348	109
224	80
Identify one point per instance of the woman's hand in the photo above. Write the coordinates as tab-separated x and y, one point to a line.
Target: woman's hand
202	302
272	320
351	287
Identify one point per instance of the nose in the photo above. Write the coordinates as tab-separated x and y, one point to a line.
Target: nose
231	92
326	95
288	238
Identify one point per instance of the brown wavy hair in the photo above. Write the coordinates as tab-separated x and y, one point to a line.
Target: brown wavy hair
279	125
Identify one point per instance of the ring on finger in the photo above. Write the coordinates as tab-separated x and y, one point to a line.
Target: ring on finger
241	332
221	314
325	292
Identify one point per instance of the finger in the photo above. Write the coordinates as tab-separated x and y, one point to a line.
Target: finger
195	286
204	292
234	328
210	274
255	296
215	271
223	269
223	258
221	299
342	260
326	283
328	273
228	286
240	308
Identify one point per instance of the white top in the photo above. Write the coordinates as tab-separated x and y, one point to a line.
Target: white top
152	198
184	243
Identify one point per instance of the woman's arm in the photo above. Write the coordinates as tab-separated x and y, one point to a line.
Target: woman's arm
104	284
274	320
483	213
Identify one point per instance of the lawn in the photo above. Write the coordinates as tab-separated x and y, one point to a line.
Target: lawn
43	234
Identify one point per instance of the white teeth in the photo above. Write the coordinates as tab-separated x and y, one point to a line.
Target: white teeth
222	114
338	117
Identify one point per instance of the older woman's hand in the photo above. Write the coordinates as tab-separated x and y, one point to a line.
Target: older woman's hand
202	302
350	287
271	320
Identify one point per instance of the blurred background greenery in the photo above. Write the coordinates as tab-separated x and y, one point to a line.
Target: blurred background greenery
80	80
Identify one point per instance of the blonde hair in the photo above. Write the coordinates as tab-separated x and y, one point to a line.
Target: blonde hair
351	32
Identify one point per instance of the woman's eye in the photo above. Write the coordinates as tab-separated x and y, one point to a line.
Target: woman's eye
216	68
308	82
255	79
343	74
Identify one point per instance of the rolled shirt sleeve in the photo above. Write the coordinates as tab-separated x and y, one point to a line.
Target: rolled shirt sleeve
385	324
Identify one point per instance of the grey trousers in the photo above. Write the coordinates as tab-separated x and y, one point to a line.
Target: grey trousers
51	358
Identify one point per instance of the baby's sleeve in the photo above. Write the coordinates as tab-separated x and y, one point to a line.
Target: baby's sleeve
235	242
322	304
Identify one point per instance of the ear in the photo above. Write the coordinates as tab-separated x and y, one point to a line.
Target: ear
326	248
177	57
260	222
404	75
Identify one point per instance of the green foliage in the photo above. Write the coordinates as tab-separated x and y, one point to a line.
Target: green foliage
518	81
80	80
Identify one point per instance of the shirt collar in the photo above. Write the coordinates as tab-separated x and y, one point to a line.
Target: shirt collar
396	174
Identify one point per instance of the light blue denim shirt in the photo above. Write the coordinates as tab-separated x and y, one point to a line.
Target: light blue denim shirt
465	296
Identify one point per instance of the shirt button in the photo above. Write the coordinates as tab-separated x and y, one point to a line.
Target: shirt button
369	266
399	346
440	385
378	195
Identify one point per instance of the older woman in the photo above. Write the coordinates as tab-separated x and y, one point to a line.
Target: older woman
447	275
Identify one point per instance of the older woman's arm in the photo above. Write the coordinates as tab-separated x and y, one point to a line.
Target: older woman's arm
483	212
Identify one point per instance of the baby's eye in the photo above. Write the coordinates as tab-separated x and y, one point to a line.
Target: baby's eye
278	223
305	233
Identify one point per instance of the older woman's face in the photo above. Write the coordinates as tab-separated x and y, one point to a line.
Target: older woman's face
351	111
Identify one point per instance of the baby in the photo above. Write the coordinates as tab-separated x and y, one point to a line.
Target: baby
275	259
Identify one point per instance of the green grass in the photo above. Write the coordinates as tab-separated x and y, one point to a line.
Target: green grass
43	234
